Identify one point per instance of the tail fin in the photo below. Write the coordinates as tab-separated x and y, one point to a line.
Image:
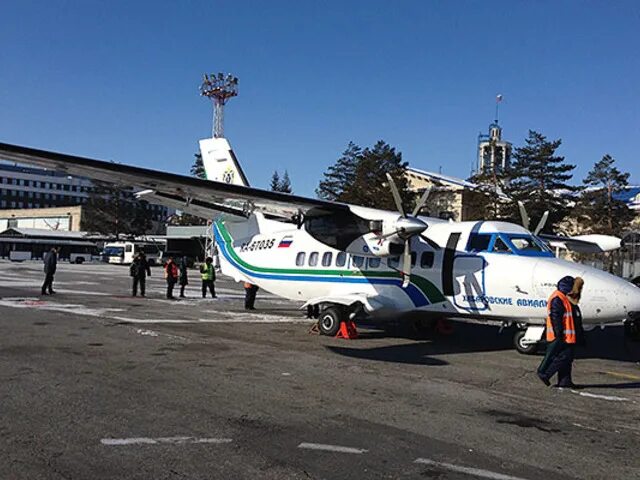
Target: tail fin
220	163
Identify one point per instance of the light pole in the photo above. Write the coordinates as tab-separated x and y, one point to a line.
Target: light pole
219	88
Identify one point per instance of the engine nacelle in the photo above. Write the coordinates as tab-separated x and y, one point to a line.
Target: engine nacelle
370	245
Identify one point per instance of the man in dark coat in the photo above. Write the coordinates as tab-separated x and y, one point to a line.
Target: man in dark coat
50	266
139	271
184	275
250	291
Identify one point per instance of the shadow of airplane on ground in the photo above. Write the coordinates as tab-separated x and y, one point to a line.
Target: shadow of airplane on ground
408	353
607	344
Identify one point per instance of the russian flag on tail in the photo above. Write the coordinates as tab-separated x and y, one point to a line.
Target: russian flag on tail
286	242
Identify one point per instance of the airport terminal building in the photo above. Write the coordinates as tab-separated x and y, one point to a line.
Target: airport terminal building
44	199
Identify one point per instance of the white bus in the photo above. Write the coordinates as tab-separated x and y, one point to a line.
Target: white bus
123	253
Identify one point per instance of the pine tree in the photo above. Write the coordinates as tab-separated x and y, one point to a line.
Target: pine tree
275	182
285	184
197	169
538	178
113	210
600	211
359	177
340	176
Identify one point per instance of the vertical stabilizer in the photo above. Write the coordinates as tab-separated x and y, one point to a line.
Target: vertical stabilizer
220	163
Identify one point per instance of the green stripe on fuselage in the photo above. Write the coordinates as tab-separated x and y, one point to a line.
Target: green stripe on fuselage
425	286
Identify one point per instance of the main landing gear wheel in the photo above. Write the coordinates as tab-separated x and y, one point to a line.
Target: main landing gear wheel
526	349
329	321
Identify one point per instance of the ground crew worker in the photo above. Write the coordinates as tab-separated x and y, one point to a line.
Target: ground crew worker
50	266
139	271
208	274
250	291
171	275
561	336
574	297
184	275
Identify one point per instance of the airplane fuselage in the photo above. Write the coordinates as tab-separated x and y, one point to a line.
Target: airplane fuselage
459	271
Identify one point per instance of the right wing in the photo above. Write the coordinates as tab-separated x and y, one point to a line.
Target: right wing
583	243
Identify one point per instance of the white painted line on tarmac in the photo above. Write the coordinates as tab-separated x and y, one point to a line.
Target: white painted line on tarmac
152	320
476	472
40	304
162	440
610	398
268	319
332	448
148	333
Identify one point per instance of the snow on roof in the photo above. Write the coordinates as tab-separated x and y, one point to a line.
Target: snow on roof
43	232
443	178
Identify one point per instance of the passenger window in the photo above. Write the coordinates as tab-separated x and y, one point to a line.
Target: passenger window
373	262
413	259
426	260
313	259
341	259
326	259
393	262
357	261
478	243
500	247
300	258
128	248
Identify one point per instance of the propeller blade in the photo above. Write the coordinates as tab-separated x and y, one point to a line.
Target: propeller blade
396	195
421	202
523	215
406	264
542	222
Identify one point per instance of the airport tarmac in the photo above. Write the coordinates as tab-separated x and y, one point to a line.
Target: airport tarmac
96	384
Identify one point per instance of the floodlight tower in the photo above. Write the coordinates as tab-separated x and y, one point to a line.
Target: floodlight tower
219	88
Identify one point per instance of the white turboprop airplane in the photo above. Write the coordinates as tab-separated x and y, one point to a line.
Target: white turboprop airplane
352	261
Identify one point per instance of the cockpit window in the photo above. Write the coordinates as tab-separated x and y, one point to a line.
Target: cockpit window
478	242
527	244
524	243
512	243
500	247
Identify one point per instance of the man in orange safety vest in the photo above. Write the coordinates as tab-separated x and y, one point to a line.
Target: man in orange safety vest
561	336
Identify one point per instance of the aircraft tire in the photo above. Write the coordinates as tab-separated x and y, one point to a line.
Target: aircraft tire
520	347
329	321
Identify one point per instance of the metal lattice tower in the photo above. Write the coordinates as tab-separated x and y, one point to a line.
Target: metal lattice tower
219	88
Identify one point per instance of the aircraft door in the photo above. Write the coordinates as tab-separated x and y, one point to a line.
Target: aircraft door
469	282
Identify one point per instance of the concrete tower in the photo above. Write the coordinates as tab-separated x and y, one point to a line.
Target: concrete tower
494	154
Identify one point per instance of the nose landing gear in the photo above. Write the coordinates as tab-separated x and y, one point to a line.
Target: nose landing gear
526	340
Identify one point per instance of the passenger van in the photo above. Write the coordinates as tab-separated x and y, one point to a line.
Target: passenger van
123	253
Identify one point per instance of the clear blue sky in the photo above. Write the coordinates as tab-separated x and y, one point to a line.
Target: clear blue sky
119	80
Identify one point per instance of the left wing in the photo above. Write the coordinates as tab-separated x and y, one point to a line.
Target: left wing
195	195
